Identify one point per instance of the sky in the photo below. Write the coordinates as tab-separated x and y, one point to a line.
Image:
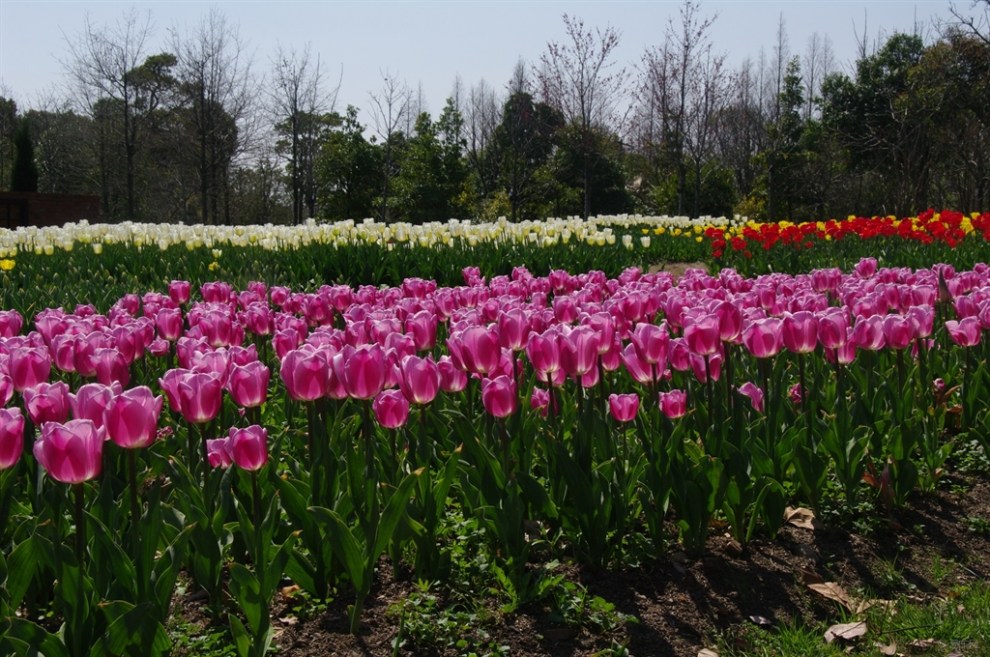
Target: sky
428	44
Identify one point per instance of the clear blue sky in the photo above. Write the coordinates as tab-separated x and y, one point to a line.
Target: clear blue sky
429	43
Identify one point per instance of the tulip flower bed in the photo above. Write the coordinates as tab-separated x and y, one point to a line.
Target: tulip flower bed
263	438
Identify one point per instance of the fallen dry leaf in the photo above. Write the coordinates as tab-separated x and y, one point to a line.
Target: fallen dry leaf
705	652
761	621
833	591
845	631
801	517
889	649
922	645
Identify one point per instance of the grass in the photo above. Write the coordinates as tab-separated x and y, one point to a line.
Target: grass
956	623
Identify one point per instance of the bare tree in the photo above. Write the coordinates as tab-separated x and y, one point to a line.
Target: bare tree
218	95
103	66
708	94
579	79
977	25
298	102
389	107
481	118
667	85
818	63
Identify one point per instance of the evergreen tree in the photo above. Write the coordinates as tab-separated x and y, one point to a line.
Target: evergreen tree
24	174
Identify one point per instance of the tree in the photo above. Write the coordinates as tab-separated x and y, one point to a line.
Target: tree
348	169
24	172
216	91
298	103
523	143
578	78
678	79
115	82
388	112
8	122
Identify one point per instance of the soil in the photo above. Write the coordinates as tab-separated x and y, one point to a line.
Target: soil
681	605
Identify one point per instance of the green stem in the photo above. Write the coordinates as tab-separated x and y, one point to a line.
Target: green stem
80	525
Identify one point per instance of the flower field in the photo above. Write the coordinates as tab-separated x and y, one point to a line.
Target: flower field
252	413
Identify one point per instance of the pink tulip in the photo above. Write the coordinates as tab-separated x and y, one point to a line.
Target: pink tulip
867	333
452	378
763	337
214	361
795	394
248	447
623	407
703	335
755	394
579	351
91	400
799	332
420	379
6	389
638	368
47	402
72	452
248	384
218	453
866	267
28	366
652	343
169	383
540	401
362	370
673	404
898	331
11	436
159	348
11	323
543	351
513	329
168	322
422	326
131	418
305	373
110	366
714	367
965	332
178	291
216	292
833	329
391	409
476	349
199	396
498	396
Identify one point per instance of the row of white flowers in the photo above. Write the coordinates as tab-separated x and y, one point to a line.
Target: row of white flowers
598	230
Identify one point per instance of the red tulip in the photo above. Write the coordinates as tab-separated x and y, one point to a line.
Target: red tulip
248	447
391	409
248	384
131	418
673	404
199	396
623	407
72	452
498	396
47	402
11	436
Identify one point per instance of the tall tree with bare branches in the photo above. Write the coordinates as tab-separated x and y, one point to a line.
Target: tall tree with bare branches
389	106
579	78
